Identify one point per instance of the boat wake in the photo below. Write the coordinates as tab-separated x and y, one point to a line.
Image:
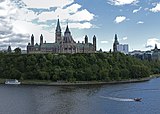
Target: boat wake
118	99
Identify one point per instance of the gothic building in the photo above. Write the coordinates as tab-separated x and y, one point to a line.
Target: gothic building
117	47
63	44
115	44
156	53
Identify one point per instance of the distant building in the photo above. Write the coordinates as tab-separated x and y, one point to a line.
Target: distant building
9	50
138	54
143	55
123	48
115	44
156	53
63	44
148	55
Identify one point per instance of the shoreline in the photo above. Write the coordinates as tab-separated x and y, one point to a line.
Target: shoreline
80	83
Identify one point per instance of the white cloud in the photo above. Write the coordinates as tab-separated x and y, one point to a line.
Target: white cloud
156	8
82	15
47	3
152	41
140	22
73	8
104	42
125	38
120	19
137	10
18	21
122	2
7	34
80	25
64	14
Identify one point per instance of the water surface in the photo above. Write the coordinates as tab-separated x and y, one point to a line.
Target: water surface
106	99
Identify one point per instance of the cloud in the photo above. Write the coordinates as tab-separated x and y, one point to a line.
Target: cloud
8	14
80	25
122	2
104	42
47	3
125	38
156	8
21	18
64	14
137	10
151	42
140	22
120	19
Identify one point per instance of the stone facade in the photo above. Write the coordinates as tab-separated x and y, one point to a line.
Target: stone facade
63	44
156	54
115	44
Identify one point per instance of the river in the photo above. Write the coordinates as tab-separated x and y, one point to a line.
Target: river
96	99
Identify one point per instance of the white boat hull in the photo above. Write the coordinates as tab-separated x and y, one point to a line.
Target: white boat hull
12	82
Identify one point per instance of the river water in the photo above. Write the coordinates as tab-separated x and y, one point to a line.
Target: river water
102	99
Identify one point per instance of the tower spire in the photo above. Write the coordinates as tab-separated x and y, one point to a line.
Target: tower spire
58	28
58	36
116	43
116	39
156	47
67	29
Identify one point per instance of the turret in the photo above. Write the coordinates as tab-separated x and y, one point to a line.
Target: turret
156	48
9	49
41	39
58	36
94	43
116	43
32	40
86	39
67	31
67	36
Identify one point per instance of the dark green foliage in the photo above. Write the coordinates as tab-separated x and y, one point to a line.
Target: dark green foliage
17	50
75	67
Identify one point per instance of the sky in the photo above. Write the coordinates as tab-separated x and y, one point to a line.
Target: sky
136	22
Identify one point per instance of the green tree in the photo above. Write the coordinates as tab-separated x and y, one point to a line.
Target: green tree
17	50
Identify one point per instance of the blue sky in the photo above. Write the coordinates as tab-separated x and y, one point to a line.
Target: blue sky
135	21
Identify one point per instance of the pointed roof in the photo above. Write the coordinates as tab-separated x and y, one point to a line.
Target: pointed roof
32	36
41	36
156	46
115	37
86	36
58	28
94	36
67	29
9	49
116	40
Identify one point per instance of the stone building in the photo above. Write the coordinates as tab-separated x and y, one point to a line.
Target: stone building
156	53
115	44
63	44
117	47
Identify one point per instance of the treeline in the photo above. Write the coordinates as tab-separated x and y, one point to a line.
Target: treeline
75	67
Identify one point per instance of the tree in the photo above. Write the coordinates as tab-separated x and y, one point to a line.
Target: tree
138	71
17	50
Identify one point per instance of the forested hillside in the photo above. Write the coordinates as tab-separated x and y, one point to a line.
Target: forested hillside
75	67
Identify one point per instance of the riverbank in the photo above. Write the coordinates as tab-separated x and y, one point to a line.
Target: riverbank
63	83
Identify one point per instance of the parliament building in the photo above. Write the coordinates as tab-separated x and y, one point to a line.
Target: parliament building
63	44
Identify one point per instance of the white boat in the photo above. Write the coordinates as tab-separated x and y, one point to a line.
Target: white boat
14	81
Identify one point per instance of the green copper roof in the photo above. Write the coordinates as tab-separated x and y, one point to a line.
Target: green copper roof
49	45
58	28
82	45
